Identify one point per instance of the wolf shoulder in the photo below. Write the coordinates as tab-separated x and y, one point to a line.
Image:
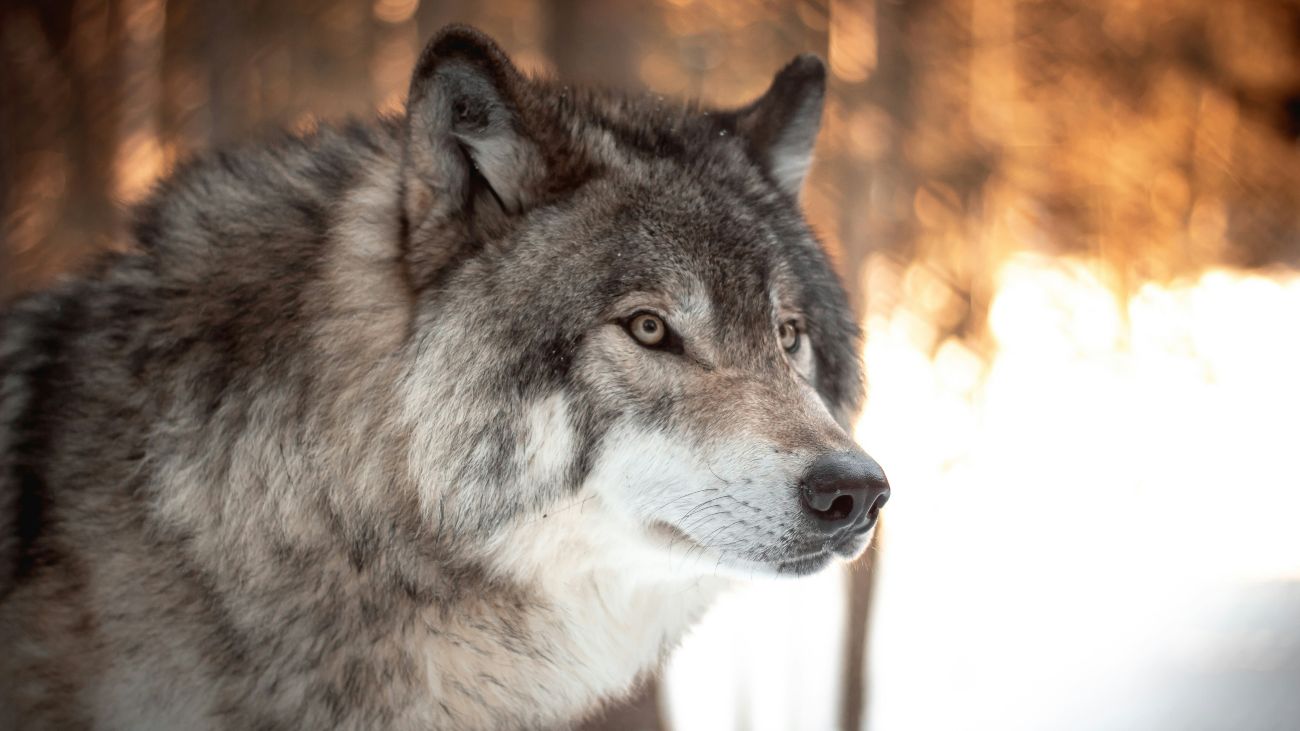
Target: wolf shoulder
221	259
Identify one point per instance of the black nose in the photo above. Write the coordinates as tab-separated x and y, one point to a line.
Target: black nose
844	490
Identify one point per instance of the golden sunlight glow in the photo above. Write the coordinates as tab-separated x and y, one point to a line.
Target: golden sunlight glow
1061	504
395	11
852	52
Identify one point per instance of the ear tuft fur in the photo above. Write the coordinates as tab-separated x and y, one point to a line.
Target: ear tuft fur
781	126
466	44
469	163
463	108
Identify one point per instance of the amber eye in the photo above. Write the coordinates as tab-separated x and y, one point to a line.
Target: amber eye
788	332
648	329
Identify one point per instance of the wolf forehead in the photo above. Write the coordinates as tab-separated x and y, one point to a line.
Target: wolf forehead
674	238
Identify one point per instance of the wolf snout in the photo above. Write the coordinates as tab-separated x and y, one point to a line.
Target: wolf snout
843	491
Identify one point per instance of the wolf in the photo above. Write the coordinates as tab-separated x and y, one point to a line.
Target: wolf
456	419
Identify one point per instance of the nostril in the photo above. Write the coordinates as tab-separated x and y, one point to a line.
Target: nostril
831	508
878	503
841	508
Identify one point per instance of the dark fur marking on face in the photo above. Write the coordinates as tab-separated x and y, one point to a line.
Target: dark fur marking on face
545	358
590	428
660	411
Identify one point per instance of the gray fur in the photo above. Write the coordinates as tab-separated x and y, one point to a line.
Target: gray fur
356	438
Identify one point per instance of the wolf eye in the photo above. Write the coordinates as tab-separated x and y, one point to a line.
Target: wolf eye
788	333
648	329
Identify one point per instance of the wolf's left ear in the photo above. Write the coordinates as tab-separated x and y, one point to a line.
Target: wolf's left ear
468	156
781	126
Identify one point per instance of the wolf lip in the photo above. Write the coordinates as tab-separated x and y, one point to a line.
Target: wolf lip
804	565
861	530
848	544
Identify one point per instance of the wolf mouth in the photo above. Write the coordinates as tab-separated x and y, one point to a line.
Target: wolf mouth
804	565
845	546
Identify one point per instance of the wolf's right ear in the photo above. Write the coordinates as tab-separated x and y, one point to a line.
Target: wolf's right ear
467	156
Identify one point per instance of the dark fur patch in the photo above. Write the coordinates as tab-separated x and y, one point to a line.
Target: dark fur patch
47	376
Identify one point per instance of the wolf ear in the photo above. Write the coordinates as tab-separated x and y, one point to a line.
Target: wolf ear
781	126
467	155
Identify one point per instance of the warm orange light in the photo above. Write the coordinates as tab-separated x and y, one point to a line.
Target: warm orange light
395	11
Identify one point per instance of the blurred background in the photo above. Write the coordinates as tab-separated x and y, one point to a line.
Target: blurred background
1071	229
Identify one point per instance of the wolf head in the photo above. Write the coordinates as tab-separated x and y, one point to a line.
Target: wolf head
622	315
